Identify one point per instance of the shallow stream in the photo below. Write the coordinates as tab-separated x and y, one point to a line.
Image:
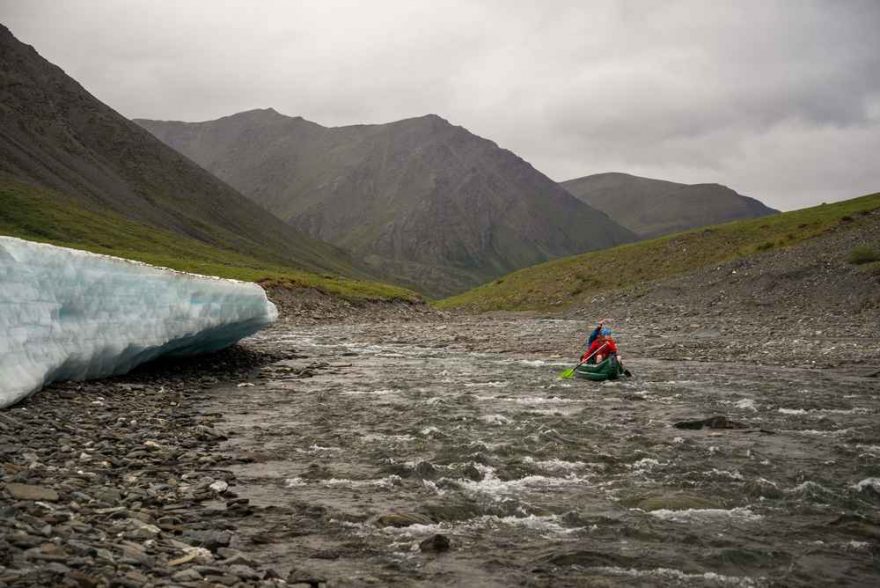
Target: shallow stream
541	481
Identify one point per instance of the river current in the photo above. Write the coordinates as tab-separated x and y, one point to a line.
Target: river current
400	434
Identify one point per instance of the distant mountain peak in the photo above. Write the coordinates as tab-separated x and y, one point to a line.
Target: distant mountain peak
266	114
651	207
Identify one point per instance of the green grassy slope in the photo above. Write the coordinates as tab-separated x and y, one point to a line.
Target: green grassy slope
565	281
42	215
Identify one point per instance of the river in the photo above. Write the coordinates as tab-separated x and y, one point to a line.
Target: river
405	431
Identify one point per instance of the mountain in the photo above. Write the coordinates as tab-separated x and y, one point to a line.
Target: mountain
641	268
651	207
80	155
423	200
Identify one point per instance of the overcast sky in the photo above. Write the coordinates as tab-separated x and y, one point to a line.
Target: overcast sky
778	100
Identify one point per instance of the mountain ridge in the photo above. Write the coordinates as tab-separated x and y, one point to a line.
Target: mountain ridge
419	198
651	207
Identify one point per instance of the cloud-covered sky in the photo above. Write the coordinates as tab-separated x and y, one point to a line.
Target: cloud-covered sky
778	100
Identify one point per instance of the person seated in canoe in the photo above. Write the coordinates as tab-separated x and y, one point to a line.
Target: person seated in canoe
602	346
595	333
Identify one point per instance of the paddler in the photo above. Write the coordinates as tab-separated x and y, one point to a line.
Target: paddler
601	345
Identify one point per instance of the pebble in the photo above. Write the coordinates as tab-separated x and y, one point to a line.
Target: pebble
188	575
219	486
31	492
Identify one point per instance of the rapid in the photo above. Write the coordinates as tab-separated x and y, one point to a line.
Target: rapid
378	436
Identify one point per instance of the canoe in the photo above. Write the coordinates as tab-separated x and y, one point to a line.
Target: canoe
609	369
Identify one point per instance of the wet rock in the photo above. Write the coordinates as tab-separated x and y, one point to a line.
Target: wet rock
395	519
715	422
435	544
425	470
210	539
31	492
219	486
472	473
188	575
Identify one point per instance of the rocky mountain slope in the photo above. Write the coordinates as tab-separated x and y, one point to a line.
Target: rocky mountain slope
576	281
54	135
651	207
419	199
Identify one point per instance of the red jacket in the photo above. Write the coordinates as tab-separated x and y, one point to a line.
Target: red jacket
609	347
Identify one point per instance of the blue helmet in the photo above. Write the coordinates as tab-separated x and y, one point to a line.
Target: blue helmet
605	332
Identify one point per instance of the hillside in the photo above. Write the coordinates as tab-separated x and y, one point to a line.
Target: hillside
651	208
574	281
41	214
55	135
430	203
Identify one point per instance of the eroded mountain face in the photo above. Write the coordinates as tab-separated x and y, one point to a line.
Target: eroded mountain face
421	200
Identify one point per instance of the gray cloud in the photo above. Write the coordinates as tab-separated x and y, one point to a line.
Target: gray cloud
780	100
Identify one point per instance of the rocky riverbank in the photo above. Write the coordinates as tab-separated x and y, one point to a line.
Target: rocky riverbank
307	306
121	482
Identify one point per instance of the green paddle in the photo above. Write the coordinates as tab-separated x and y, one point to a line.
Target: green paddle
569	373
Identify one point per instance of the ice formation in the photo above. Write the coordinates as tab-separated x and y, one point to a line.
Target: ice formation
68	314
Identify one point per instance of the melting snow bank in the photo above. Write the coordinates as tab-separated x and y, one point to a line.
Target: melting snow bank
68	314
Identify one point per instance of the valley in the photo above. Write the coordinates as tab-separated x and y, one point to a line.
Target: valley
403	415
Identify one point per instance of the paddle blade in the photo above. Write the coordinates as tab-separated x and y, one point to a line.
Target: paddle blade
569	373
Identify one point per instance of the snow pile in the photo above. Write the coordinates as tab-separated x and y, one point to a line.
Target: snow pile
69	314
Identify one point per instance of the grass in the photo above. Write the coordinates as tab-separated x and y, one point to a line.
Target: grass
42	215
562	282
863	254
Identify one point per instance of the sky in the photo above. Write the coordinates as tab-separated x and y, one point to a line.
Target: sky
778	100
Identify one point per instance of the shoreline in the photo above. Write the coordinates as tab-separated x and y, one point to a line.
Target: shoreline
122	479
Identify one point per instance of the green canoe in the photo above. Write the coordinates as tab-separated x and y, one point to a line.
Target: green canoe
610	369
